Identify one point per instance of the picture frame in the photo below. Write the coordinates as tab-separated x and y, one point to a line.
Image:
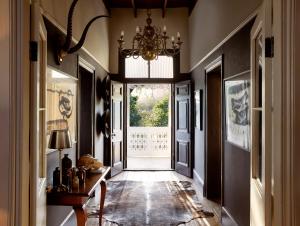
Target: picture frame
61	103
198	96
237	111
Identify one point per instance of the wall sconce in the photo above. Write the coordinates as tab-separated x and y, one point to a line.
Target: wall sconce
66	48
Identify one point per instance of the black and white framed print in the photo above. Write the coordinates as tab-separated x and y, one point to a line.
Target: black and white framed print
237	116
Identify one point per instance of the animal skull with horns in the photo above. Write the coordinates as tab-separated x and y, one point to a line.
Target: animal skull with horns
66	47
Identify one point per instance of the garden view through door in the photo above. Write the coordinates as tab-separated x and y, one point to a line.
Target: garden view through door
149	126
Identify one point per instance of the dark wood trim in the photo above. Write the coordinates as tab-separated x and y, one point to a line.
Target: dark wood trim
106	4
192	115
125	119
120	78
134	8
173	126
164	8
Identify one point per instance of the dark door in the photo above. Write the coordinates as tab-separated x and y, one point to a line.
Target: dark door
86	112
213	135
116	127
183	150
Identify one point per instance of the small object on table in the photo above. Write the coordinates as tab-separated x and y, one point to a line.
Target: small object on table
79	197
89	162
75	182
81	175
56	174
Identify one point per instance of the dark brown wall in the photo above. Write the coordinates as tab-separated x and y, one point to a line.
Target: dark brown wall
236	161
55	215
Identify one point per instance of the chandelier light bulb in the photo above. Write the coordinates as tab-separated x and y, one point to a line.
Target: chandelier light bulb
172	38
178	35
122	33
137	30
165	28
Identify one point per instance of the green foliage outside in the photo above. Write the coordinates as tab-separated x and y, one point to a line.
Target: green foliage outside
135	117
157	116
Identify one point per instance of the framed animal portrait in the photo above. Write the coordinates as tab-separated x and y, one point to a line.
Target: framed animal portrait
237	100
61	102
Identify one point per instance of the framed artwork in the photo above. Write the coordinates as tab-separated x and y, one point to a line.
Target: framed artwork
61	102
237	100
199	109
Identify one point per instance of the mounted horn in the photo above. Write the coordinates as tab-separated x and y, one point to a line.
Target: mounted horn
66	47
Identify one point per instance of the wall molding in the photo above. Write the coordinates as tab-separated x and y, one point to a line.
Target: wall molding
229	36
63	30
237	75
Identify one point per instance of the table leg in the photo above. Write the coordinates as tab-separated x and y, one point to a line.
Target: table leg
102	199
81	215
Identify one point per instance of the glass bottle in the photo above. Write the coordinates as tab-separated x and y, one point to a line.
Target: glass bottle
56	177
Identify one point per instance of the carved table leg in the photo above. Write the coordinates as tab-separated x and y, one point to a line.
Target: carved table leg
102	199
81	215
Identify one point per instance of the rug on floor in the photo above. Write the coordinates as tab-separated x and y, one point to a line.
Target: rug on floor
163	203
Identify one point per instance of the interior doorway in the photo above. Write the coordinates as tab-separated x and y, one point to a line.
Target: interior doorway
213	183
149	126
86	113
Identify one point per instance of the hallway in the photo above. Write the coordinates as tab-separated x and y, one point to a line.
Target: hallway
148	176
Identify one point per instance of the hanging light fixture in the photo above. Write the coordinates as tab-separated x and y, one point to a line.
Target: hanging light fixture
150	42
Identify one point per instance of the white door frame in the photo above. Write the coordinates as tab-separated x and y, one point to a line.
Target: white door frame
18	31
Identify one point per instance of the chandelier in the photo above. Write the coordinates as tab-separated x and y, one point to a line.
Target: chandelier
150	42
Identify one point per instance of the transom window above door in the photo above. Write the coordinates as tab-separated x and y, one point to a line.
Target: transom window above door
162	68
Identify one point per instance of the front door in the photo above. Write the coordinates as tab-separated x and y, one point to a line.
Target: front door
183	150
261	116
116	127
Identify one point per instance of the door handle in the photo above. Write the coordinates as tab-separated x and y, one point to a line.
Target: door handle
113	134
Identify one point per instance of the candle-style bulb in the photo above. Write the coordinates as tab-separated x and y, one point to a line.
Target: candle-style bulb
172	38
165	28
122	33
137	30
178	35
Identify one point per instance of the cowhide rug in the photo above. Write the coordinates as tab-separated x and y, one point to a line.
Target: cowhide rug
166	203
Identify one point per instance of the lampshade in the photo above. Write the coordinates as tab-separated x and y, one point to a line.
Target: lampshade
60	139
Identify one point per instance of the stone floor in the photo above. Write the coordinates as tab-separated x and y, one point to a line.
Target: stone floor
149	163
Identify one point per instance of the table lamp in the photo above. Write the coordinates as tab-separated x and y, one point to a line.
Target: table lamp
60	139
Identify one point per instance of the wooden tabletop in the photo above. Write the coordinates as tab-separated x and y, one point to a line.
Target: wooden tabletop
78	196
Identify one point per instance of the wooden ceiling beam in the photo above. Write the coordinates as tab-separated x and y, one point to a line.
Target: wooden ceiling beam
164	8
107	6
134	8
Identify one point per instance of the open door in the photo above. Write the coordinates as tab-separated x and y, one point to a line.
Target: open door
38	117
116	127
261	116
183	149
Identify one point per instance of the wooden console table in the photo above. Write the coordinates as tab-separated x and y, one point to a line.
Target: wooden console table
78	197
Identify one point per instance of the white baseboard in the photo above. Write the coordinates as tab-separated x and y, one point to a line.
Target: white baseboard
198	178
67	218
225	211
